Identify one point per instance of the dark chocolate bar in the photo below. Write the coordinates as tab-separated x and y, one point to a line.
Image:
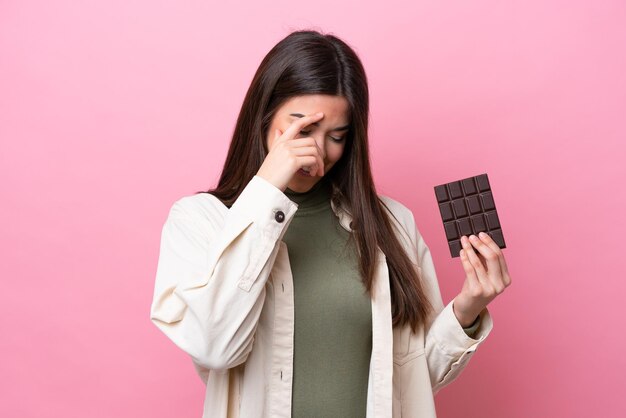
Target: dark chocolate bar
467	207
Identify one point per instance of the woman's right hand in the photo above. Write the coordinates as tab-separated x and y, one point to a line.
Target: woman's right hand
288	155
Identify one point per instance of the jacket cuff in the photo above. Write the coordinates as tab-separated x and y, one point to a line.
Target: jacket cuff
270	211
450	335
472	328
260	200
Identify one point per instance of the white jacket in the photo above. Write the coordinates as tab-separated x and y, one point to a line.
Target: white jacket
224	295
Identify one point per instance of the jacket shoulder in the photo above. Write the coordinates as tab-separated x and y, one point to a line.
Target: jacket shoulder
202	209
404	217
400	212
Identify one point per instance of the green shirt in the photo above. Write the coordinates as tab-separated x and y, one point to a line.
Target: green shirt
333	317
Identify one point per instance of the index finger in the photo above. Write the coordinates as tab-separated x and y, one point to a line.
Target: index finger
300	123
486	238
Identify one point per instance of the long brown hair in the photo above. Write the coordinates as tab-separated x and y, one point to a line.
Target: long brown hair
309	62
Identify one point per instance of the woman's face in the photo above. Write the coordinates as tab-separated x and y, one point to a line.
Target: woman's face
328	134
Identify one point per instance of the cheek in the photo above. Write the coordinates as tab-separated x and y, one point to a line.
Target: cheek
271	133
334	153
270	136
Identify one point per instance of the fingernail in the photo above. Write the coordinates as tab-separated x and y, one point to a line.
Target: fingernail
473	237
319	114
482	235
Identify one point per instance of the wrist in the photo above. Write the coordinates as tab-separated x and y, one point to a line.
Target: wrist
466	319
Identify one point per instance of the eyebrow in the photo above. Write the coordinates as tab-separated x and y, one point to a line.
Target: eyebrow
340	128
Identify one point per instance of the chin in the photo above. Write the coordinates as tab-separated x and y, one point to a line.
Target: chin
304	184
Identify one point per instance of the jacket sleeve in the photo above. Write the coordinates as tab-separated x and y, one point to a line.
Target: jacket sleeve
448	347
212	269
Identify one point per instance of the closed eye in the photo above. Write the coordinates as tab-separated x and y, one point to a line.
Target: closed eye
331	137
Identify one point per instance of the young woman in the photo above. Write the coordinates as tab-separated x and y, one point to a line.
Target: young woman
295	288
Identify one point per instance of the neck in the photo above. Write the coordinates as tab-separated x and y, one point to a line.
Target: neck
316	197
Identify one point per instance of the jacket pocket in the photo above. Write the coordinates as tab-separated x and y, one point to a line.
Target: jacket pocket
401	360
403	379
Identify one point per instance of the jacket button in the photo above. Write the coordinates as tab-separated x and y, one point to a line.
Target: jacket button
280	216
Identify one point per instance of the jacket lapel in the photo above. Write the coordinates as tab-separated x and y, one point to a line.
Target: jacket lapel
379	394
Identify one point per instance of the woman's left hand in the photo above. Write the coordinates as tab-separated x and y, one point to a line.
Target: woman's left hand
486	277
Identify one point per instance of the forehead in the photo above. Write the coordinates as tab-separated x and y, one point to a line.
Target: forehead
335	108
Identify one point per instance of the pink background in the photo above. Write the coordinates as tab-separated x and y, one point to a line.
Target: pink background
111	110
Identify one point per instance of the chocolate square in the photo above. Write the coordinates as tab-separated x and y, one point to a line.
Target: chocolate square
467	207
